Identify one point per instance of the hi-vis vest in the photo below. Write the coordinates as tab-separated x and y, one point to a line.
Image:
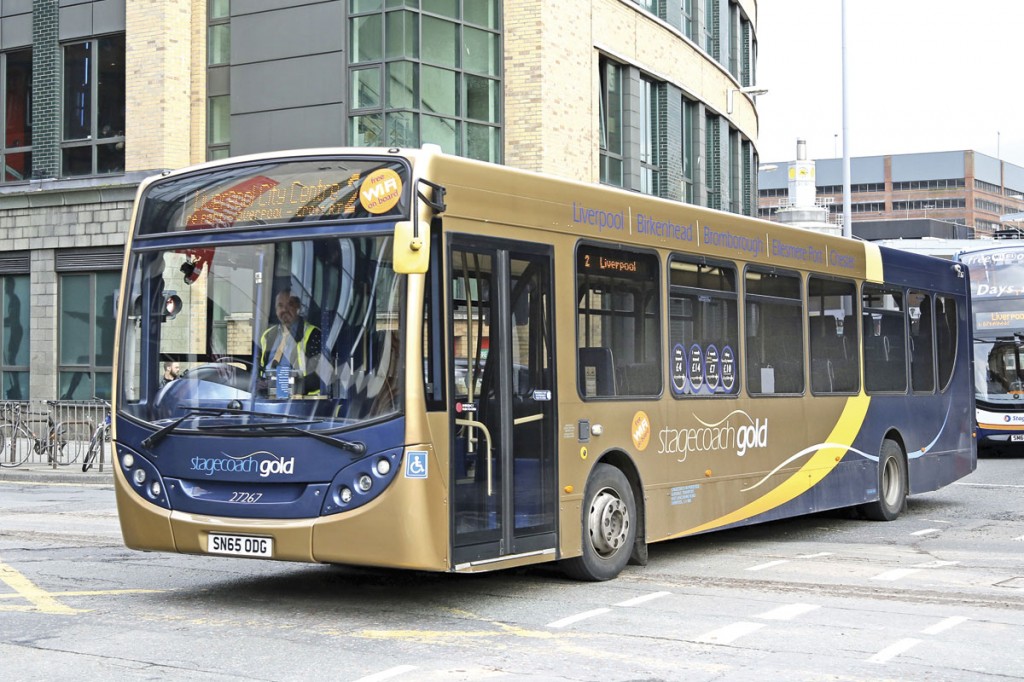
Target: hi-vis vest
283	338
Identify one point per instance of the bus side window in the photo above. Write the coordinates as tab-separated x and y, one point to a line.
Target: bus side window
945	337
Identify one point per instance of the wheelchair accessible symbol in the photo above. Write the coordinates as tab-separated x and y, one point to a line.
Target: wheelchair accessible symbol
416	464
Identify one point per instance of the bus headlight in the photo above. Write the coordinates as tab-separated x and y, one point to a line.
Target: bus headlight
345	494
155	489
128	461
365	483
383	467
139	477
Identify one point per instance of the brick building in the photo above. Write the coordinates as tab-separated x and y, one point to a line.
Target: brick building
957	194
650	95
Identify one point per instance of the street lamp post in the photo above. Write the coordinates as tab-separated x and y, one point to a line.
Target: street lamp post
752	91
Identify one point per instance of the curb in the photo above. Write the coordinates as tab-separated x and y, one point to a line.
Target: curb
62	475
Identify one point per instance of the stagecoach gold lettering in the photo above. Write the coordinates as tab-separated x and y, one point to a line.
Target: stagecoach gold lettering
724	435
272	464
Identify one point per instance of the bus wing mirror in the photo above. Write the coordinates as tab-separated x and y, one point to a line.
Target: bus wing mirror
412	237
412	248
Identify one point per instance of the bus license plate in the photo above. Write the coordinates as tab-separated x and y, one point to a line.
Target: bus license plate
240	545
1017	437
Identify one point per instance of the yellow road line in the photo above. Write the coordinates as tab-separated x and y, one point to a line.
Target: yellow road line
86	593
42	600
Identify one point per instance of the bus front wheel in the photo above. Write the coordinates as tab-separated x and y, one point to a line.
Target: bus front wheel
892	484
609	526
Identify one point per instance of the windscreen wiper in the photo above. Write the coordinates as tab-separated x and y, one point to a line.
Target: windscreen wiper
273	429
354	447
151	440
157	436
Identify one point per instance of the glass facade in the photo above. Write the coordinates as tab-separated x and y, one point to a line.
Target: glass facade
426	71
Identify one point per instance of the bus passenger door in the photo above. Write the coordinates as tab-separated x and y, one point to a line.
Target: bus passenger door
501	364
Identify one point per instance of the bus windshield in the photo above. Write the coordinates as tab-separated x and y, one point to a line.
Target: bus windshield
997	285
300	333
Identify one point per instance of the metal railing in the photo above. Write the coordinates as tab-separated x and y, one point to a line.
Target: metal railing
56	433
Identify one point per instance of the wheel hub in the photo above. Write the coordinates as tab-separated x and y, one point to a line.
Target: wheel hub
609	523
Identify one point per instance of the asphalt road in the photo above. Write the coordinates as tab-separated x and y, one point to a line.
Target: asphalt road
936	595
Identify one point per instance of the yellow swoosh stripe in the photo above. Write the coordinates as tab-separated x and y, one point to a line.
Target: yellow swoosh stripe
816	468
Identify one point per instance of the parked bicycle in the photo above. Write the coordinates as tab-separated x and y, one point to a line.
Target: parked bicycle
62	442
100	437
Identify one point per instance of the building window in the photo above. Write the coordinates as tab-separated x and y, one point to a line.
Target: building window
14	325
218	126
735	171
689	141
426	76
93	115
734	41
218	46
17	115
687	19
650	138
611	122
86	339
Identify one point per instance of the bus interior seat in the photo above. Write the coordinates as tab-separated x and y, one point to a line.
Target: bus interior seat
637	378
597	362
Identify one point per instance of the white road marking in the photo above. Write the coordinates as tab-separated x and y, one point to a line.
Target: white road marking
927	531
729	633
944	625
388	674
813	556
788	612
644	598
768	565
894	650
989	485
569	620
896	573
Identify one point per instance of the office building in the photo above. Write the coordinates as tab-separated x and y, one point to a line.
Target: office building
953	195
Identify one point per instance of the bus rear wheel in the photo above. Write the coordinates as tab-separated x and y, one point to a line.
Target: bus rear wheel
609	526
892	484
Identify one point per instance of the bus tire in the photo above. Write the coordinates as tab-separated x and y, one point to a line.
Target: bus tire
609	526
892	484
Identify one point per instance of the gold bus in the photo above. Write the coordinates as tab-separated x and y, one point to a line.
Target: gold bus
402	358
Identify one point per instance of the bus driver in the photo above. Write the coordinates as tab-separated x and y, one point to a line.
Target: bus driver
293	342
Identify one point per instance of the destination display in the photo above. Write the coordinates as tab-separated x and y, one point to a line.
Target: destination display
277	193
1003	319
